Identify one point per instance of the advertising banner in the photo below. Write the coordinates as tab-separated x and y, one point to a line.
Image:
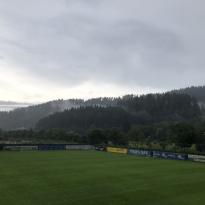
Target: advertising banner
140	152
20	148
170	155
196	158
51	147
79	147
117	150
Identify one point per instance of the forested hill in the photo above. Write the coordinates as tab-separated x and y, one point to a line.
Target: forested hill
131	110
197	92
147	108
28	117
84	118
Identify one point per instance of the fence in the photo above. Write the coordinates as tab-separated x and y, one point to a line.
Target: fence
20	148
45	147
130	151
79	147
157	154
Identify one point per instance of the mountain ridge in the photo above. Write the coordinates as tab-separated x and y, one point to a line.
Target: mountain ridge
28	117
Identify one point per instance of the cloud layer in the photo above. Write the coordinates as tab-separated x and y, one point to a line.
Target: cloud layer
71	48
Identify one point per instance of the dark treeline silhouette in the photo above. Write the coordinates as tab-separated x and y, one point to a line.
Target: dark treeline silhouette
159	106
28	117
162	107
83	118
132	110
197	92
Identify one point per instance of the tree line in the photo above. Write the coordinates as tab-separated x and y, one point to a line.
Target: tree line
170	121
146	109
178	137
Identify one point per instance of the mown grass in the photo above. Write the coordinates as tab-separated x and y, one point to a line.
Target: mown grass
98	178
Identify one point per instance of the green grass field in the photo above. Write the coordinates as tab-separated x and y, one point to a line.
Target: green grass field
97	178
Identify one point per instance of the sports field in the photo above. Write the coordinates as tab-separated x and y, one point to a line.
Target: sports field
98	178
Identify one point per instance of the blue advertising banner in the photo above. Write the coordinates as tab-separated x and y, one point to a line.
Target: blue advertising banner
51	147
170	155
182	156
140	152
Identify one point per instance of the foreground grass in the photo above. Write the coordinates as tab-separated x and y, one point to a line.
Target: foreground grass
97	178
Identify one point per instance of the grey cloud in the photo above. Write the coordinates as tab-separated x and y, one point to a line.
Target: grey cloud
78	41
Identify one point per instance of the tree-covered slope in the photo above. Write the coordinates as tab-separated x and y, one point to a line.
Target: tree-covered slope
195	91
147	108
29	116
132	110
84	118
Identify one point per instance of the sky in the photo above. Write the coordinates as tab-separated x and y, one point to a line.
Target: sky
51	49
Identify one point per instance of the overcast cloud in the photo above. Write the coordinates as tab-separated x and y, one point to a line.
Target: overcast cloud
85	48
